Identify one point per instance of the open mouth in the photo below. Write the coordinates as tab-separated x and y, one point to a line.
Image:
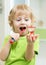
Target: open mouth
22	28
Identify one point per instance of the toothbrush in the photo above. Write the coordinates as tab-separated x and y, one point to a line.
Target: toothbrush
14	37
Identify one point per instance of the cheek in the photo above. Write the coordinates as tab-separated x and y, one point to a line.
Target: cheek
16	24
16	27
29	23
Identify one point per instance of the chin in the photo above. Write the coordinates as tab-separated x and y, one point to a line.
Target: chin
23	34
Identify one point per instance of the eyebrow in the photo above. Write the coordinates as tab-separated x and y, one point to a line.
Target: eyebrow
24	17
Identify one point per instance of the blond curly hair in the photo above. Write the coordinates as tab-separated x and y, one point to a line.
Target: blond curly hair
22	7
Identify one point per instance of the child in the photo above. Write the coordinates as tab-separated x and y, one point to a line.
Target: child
21	46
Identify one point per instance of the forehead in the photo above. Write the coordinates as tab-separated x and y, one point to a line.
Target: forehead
22	13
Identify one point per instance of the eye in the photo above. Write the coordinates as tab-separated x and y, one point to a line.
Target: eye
18	19
26	19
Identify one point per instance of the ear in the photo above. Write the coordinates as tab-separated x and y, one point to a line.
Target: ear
11	23
33	17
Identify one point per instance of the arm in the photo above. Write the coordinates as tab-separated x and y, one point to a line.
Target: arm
30	51
30	47
5	51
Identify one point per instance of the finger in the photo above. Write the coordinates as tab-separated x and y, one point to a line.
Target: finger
36	36
14	35
31	38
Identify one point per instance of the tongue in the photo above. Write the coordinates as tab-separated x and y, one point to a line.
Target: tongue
22	29
21	32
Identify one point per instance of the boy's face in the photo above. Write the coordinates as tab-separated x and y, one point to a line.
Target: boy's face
21	22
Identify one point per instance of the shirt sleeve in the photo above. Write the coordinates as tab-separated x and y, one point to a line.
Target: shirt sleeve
36	46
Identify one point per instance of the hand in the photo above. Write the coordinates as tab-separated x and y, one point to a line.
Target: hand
14	35
31	38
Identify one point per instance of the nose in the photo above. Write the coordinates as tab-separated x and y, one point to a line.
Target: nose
22	21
